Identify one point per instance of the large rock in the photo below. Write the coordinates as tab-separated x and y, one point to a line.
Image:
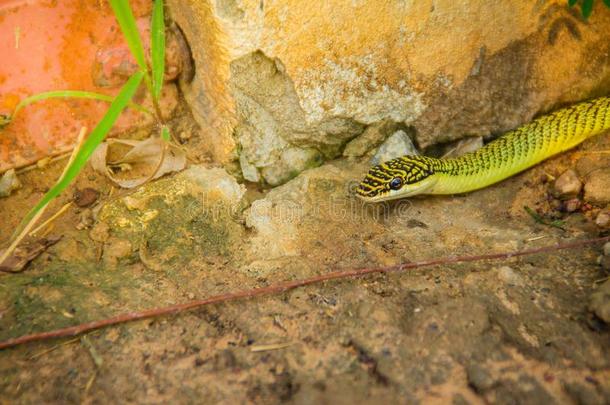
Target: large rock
316	77
191	213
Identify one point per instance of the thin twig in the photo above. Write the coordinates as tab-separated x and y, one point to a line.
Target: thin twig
51	219
283	287
26	229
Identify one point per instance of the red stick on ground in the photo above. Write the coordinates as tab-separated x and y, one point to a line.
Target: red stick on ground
282	287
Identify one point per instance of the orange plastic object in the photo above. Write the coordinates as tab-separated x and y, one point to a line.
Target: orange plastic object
51	45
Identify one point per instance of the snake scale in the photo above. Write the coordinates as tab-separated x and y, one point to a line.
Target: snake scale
512	153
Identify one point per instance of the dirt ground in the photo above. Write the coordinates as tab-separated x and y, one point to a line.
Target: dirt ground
509	331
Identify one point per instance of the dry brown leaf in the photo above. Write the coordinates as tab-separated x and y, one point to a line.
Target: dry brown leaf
22	255
144	153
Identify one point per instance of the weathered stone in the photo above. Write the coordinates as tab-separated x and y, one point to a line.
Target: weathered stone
292	162
207	91
372	136
116	249
568	185
273	129
479	378
9	183
571	205
399	144
320	74
597	187
195	209
604	262
599	302
603	219
86	197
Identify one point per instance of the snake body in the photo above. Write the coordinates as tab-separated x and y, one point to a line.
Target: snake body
512	153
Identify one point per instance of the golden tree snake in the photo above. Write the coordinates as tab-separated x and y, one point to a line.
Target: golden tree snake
512	153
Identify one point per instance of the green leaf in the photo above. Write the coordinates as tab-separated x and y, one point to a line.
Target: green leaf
587	8
571	3
71	94
607	3
93	140
157	48
127	22
165	133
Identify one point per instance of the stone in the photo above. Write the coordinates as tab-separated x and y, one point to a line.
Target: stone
116	249
567	186
274	136
571	205
479	378
195	209
207	90
248	170
604	262
292	162
607	249
9	183
320	75
597	187
85	197
603	219
372	136
599	302
398	144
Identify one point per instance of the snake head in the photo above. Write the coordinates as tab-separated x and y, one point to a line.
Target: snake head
397	178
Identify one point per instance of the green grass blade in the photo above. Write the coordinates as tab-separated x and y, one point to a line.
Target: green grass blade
587	8
607	3
72	94
93	140
127	22
165	133
157	48
571	3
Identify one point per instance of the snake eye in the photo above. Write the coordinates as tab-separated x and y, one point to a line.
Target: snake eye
396	183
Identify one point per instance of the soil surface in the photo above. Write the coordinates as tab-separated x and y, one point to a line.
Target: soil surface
508	331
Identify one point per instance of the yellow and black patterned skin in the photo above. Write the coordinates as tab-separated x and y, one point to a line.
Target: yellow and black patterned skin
512	153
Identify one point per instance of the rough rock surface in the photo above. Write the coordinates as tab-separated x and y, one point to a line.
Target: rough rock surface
8	183
567	186
316	77
509	331
597	187
398	144
600	302
191	213
372	136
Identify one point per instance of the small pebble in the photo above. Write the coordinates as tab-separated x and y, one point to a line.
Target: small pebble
603	219
599	302
398	144
86	197
604	261
568	185
9	183
607	249
597	187
571	205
